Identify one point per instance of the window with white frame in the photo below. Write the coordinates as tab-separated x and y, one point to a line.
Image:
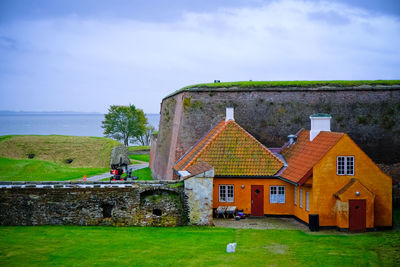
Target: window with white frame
277	194
307	201
301	198
345	165
295	195
226	193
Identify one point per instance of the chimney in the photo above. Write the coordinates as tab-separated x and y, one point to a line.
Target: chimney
229	115
319	122
292	139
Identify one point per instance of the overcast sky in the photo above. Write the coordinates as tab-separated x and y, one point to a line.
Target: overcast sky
85	55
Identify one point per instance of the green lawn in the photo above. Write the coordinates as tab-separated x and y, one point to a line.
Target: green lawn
143	174
135	148
140	157
136	162
40	170
192	246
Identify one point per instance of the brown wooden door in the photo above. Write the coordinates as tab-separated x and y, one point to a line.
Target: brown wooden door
357	215
257	200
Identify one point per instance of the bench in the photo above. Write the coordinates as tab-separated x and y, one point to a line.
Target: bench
221	210
231	211
225	211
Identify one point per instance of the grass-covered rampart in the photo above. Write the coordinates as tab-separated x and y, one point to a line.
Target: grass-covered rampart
76	151
242	85
53	157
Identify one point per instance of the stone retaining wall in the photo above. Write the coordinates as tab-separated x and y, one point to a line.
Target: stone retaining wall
140	203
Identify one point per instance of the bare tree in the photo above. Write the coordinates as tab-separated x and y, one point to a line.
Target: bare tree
145	138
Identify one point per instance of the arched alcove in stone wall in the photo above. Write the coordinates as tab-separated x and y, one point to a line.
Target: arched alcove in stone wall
161	207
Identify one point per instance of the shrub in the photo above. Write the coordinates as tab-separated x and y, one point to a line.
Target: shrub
387	122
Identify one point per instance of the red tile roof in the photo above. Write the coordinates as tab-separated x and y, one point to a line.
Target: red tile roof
232	151
303	155
198	168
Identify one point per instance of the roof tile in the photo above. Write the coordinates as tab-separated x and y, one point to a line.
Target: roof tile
232	151
303	155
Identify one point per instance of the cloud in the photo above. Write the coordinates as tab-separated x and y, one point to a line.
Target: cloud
87	64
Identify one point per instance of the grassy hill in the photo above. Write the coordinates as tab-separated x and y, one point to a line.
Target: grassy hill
76	151
53	157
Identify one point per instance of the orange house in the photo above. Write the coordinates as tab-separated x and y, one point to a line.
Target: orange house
319	177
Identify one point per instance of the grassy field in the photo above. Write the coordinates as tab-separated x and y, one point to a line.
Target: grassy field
40	170
135	148
192	246
53	157
145	158
136	162
143	174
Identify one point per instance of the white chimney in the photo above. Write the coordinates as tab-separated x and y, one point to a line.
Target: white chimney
229	114
292	139
319	122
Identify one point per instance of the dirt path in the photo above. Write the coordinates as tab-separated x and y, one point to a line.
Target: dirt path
262	223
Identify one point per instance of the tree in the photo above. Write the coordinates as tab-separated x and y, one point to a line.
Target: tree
145	138
124	122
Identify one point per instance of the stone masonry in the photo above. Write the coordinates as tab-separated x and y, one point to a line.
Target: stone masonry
199	193
130	204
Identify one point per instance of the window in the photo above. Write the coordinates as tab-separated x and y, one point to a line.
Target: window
345	165
226	193
277	194
295	195
307	201
301	198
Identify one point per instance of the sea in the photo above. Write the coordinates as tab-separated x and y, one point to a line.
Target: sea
57	123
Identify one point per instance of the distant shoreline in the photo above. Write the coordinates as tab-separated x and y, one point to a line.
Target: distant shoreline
7	112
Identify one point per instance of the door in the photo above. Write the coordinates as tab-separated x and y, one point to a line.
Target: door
357	215
257	200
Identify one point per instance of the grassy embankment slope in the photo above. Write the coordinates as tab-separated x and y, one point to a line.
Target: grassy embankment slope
265	84
282	84
193	246
55	157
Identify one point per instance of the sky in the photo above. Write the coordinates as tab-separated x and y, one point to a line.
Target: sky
85	55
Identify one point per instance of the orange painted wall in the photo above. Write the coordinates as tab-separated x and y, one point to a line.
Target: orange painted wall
242	197
326	183
302	213
342	206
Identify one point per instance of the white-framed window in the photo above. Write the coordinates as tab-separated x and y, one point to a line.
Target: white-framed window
345	165
307	201
301	198
277	194
295	195
226	193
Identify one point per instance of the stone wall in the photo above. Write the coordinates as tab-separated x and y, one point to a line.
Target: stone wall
199	193
128	204
370	115
163	143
